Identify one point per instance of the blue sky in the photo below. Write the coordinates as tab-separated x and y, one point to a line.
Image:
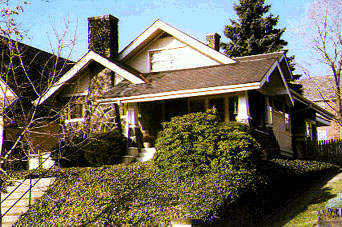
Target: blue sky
195	17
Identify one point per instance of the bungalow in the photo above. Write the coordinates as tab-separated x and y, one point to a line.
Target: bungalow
165	72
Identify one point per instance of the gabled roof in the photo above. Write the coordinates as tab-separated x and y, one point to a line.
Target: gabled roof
91	56
320	110
318	88
246	74
157	29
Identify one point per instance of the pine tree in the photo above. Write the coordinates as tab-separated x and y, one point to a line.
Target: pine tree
255	33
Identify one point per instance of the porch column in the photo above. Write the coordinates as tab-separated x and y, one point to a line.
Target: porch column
243	108
132	122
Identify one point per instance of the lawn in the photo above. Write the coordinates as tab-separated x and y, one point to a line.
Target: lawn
303	210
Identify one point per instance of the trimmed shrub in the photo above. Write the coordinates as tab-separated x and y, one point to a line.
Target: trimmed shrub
105	148
96	150
199	142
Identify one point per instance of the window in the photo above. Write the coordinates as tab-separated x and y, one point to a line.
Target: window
165	59
322	135
74	110
309	129
197	105
287	122
233	108
218	104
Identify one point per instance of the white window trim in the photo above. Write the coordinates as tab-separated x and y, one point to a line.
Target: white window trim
68	121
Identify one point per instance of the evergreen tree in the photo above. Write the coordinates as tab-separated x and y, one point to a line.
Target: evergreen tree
255	33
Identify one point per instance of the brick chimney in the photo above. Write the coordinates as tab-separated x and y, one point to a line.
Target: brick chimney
213	41
103	35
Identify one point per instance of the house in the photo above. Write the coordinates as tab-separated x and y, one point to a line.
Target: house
165	72
25	73
321	90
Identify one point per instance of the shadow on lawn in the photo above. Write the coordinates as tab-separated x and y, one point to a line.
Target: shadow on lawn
313	194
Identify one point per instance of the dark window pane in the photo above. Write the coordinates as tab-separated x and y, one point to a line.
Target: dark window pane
197	105
218	104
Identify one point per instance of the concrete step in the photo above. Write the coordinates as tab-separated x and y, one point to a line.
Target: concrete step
16	195
133	151
128	159
22	206
42	184
146	154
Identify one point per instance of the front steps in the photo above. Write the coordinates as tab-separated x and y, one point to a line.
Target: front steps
133	155
146	154
37	191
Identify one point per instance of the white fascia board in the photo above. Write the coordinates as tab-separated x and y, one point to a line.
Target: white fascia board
186	93
115	68
201	47
65	78
84	61
269	73
320	110
323	121
7	90
287	64
285	83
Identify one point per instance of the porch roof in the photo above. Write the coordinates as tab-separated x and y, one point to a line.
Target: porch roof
246	74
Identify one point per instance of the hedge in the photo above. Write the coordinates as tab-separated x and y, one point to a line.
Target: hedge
140	195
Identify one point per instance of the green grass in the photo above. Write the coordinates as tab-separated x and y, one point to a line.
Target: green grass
304	210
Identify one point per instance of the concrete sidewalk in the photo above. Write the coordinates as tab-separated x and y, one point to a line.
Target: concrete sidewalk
302	200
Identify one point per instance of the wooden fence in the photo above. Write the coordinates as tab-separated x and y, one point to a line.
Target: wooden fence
324	151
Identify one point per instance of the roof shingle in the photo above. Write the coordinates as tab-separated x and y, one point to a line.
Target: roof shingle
246	70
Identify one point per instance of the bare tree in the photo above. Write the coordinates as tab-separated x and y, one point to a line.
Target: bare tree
322	33
27	74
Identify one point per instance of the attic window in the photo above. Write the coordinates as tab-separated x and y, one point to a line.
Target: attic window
162	60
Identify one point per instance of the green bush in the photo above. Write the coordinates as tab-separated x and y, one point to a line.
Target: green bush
199	142
95	150
105	148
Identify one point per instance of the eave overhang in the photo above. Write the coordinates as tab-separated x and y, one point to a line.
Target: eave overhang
184	93
266	79
158	28
91	56
319	110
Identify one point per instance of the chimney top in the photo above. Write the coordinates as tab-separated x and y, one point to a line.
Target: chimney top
103	35
213	41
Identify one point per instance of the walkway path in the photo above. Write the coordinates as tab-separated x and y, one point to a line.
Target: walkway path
300	202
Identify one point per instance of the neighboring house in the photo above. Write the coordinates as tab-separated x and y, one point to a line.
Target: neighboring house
25	73
321	90
165	72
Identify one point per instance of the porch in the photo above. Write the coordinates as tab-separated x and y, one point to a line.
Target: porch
143	120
